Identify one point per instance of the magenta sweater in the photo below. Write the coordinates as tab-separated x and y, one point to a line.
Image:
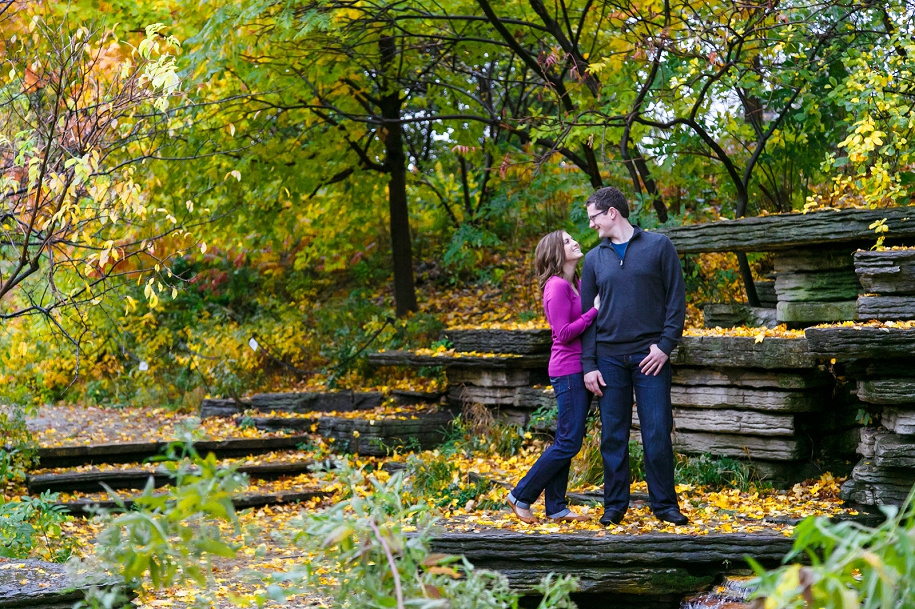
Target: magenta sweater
563	312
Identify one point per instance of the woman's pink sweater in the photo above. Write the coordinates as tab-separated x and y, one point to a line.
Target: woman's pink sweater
562	306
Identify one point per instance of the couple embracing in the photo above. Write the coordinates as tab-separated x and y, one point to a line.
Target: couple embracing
613	330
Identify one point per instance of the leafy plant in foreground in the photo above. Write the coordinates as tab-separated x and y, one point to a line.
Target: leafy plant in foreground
851	565
362	545
168	538
30	527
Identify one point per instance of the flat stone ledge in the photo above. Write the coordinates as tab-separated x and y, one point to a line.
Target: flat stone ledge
769	400
886	308
752	379
887	391
305	401
89	507
92	481
36	583
788	231
134	452
743	352
886	272
650	564
816	312
893	450
733	315
739	446
500	361
527	342
861	342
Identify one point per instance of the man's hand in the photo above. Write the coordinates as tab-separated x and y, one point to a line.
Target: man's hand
594	381
651	365
597	302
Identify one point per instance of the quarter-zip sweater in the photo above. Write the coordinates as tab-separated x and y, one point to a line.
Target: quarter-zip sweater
642	298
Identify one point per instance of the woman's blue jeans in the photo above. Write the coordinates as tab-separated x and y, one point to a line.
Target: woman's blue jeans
652	397
550	474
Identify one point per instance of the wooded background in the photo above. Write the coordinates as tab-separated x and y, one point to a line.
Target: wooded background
181	177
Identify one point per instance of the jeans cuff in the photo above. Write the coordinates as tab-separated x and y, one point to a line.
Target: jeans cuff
560	514
520	504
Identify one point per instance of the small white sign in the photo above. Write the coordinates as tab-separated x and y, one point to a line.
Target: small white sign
253	344
144	366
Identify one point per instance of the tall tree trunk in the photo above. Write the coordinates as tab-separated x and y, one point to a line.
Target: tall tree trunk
396	166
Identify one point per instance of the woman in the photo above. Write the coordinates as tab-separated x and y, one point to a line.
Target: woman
555	261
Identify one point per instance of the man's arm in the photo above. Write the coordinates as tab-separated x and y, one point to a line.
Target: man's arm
588	292
675	305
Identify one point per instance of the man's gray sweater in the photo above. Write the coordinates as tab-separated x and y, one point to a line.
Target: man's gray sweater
642	298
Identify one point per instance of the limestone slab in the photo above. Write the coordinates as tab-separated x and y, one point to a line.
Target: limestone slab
898	420
501	341
887	391
492	362
790	231
741	422
886	272
732	445
894	450
816	312
757	379
746	398
733	315
886	308
868	440
820	286
805	260
743	352
482	377
861	342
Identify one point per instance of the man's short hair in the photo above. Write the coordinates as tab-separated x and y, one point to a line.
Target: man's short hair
605	198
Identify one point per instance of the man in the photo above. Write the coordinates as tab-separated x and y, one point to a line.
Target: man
643	306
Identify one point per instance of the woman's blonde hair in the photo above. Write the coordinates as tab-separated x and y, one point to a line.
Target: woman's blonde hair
549	256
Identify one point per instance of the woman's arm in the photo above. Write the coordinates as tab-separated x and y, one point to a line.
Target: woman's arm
557	303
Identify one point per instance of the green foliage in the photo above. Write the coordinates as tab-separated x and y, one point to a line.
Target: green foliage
30	528
436	478
168	537
478	431
363	545
714	472
19	449
850	566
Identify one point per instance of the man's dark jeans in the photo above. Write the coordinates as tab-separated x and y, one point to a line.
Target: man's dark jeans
550	474
652	397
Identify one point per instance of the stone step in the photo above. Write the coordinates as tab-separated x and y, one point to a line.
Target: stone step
482	377
40	584
370	437
136	452
91	481
88	507
740	422
306	401
648	564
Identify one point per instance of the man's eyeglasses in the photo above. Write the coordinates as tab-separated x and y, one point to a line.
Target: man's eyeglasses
600	213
